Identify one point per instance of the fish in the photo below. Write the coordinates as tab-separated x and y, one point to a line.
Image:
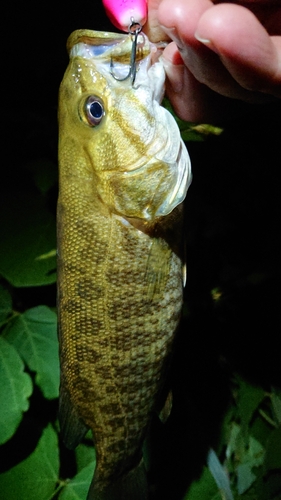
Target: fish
123	176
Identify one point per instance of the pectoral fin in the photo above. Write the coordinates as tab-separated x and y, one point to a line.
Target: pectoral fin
157	269
72	427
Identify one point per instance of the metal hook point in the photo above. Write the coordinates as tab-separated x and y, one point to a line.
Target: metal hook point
134	29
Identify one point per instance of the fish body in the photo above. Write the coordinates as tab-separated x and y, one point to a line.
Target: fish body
123	174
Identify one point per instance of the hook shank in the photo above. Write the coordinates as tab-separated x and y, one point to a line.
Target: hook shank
134	30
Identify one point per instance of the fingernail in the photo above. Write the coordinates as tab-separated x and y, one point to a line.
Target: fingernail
201	39
208	43
173	34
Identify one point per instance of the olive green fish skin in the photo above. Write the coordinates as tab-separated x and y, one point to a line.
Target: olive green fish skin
119	289
116	337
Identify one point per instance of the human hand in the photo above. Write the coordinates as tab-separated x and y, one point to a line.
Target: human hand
218	51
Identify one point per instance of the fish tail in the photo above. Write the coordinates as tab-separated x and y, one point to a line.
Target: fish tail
133	486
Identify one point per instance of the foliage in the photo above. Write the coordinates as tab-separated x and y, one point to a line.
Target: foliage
34	335
36	476
250	448
15	389
26	251
245	462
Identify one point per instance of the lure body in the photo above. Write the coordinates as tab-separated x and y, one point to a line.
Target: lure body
121	12
124	172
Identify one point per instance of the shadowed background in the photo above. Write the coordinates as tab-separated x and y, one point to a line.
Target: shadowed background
232	311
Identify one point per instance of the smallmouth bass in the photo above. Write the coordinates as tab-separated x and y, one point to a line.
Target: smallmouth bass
123	175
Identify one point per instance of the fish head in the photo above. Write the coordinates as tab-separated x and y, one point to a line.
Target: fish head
122	138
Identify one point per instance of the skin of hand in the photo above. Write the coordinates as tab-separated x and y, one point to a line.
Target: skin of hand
218	53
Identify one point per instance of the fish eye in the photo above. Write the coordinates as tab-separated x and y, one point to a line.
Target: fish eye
94	110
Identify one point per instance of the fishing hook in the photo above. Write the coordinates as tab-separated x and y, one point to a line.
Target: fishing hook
134	29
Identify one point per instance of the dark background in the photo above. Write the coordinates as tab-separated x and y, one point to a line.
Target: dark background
232	230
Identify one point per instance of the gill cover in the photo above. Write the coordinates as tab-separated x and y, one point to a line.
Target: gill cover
143	166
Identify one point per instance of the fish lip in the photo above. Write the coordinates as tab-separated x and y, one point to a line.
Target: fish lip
108	45
105	48
98	49
90	37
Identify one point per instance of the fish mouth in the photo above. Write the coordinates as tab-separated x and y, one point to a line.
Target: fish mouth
108	49
94	38
105	46
159	155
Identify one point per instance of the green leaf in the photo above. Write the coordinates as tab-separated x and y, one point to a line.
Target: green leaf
255	452
276	404
207	129
245	477
35	477
273	451
235	443
253	457
219	474
77	488
203	489
15	389
190	135
249	398
84	454
5	304
27	231
261	428
34	335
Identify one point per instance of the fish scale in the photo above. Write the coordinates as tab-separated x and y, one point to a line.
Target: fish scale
119	264
119	325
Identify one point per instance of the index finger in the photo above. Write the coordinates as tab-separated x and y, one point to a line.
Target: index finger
152	28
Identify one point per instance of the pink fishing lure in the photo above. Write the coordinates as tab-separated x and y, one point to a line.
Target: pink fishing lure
121	12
